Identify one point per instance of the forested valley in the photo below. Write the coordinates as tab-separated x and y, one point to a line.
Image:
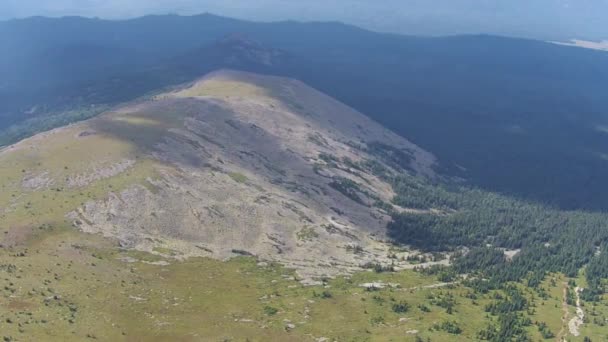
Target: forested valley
499	242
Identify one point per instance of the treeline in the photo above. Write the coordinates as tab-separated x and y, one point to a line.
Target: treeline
46	122
596	272
480	226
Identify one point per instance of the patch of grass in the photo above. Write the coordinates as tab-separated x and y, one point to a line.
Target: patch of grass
238	177
549	309
222	88
165	251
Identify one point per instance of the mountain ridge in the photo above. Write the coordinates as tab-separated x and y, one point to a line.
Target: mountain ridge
529	107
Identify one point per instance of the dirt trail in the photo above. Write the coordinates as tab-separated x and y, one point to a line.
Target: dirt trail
577	320
562	332
381	285
572	326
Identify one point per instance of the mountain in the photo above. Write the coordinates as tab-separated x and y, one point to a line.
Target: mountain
150	203
189	205
268	210
521	117
232	164
540	19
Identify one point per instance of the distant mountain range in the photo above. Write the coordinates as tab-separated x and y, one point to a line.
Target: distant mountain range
539	19
518	116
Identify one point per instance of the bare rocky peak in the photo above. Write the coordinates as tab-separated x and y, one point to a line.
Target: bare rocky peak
245	164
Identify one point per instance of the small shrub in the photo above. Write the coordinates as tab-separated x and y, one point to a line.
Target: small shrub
401	307
270	311
451	327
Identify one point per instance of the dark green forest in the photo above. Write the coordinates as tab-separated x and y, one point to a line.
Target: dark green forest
479	226
501	246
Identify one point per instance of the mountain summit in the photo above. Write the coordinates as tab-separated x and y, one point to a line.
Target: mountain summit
234	163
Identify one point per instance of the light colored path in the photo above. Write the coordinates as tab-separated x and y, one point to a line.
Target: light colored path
577	320
562	332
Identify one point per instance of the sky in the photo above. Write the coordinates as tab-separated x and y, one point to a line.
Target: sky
546	19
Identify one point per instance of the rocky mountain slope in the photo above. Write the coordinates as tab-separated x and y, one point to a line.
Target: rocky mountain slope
232	164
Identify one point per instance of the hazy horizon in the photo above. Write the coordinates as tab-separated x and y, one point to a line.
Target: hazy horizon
540	19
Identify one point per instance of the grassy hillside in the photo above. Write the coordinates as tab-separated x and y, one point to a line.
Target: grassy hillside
60	284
